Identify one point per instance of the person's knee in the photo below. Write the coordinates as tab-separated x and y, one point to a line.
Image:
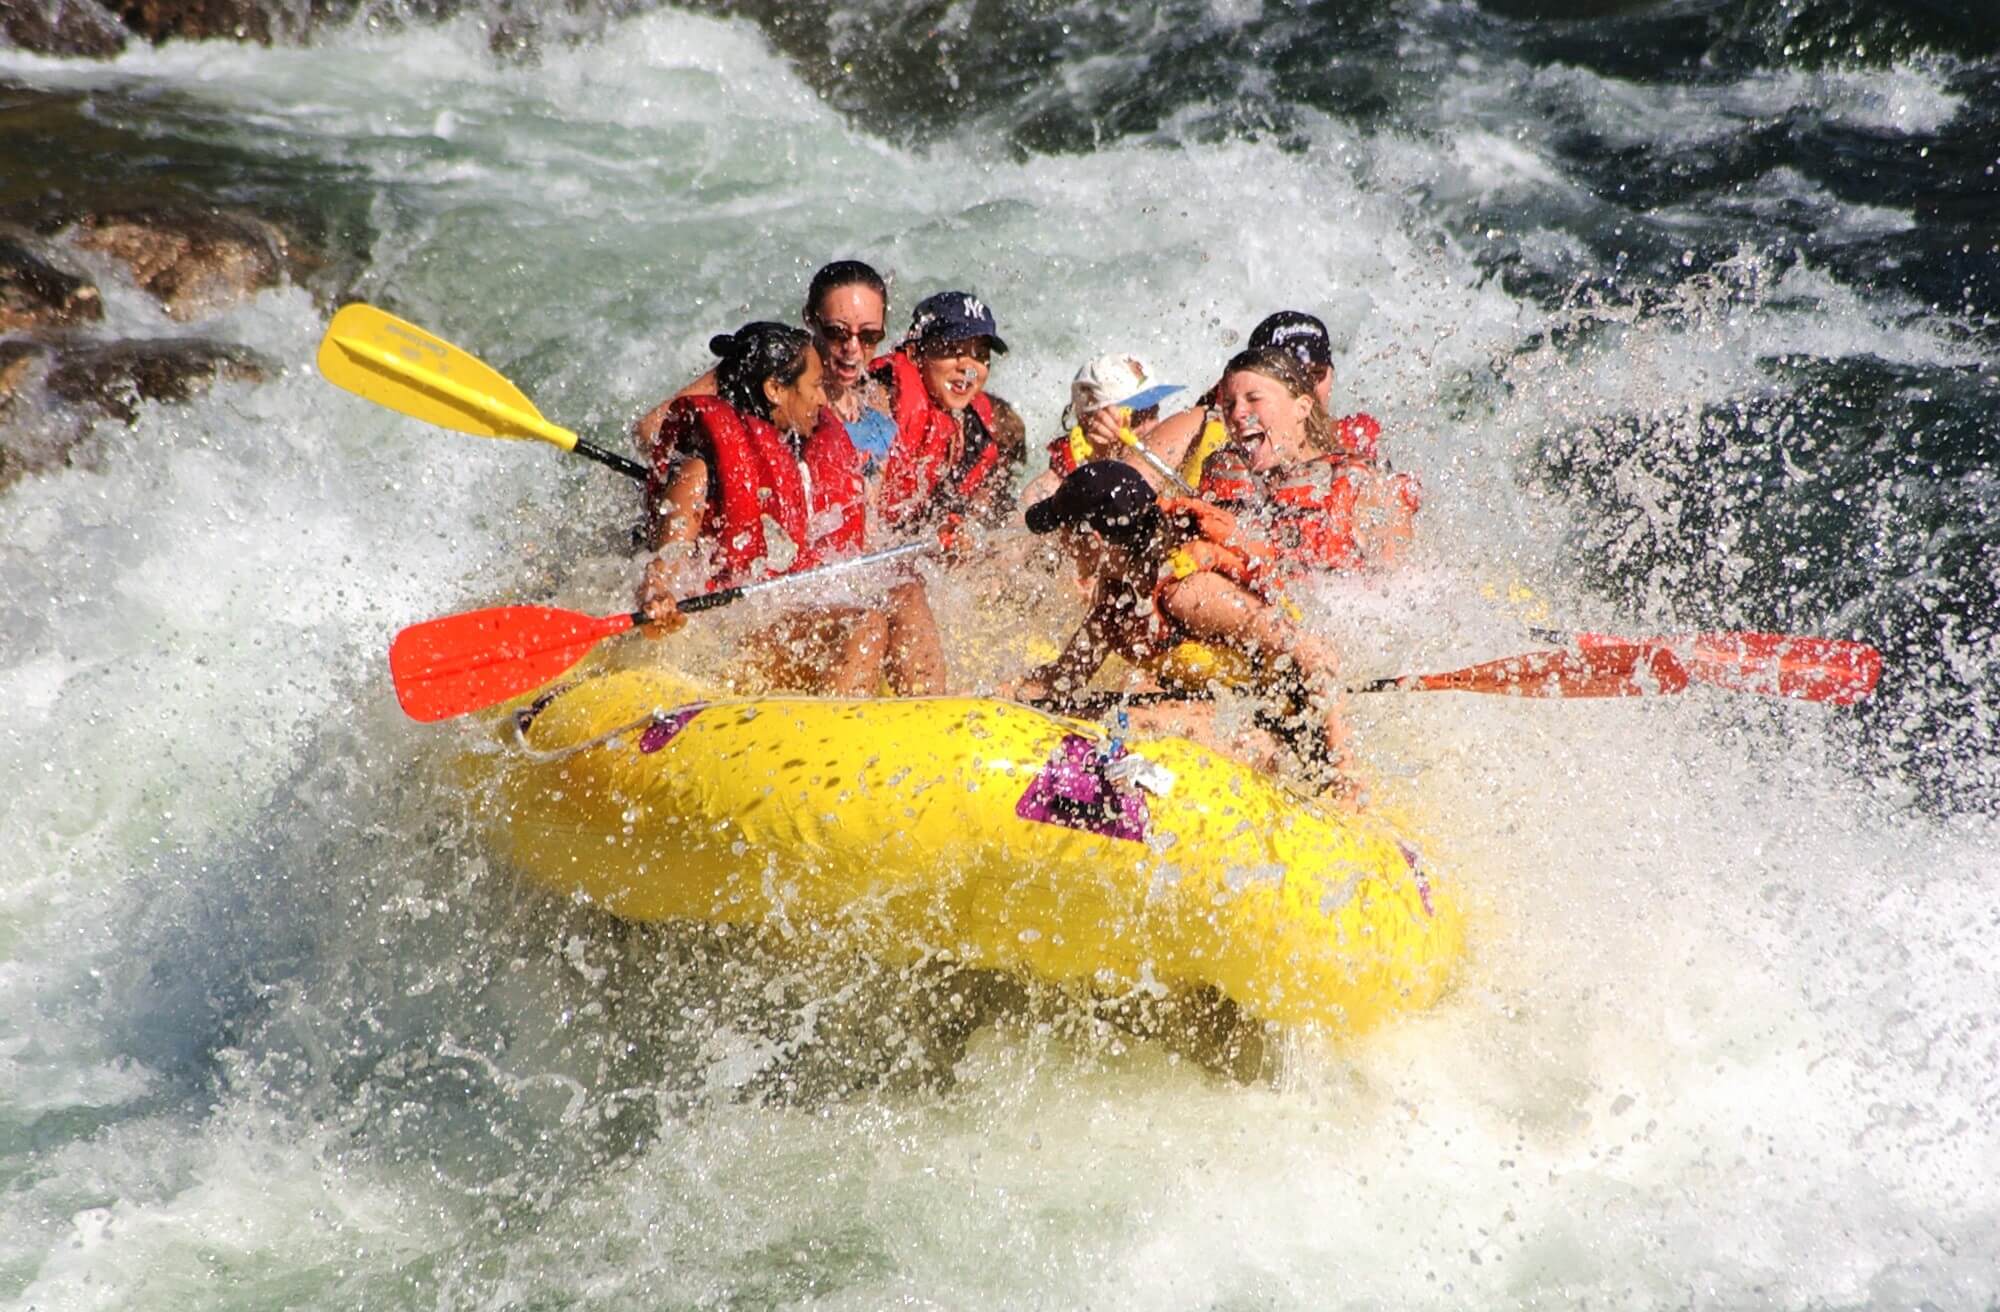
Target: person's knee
869	634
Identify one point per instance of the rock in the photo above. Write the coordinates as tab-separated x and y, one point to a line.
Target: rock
32	439
114	378
36	294
17	362
196	20
194	259
66	166
61	27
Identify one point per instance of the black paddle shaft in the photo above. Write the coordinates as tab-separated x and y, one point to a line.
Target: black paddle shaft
611	459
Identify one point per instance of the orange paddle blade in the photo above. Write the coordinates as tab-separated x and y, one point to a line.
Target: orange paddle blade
1832	670
1599	671
468	662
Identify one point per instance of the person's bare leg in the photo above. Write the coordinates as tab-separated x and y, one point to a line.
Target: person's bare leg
915	659
858	668
806	651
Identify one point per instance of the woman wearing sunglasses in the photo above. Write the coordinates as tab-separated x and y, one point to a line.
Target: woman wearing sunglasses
847	304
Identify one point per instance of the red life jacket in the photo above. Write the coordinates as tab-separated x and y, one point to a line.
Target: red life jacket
919	477
1312	516
1061	458
814	495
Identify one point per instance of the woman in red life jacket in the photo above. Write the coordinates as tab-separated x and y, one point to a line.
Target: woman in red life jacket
1178	592
761	480
847	306
1378	505
847	310
946	460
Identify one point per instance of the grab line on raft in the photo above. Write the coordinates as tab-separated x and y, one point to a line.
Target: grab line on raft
540	757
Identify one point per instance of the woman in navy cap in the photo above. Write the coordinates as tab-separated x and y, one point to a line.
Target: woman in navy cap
1320	485
946	459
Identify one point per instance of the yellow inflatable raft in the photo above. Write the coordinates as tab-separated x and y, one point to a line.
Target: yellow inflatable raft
972	830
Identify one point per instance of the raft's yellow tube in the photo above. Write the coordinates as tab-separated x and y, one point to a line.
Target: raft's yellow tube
911	824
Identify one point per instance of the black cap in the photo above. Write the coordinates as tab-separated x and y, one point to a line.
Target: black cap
1109	497
954	317
1299	335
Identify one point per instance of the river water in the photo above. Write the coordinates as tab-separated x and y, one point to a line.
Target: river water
1684	314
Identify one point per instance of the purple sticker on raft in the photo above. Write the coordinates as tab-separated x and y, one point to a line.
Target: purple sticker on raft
1073	792
664	728
1415	861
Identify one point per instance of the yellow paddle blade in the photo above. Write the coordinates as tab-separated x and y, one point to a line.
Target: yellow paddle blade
374	354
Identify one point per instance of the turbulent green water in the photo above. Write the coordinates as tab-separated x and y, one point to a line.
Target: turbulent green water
1677	326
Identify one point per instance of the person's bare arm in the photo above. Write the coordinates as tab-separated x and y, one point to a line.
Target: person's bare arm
1212	607
1043	485
647	430
1170	441
1385	511
1302	667
674	570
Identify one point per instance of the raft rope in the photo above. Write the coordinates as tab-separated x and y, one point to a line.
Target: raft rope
539	756
524	719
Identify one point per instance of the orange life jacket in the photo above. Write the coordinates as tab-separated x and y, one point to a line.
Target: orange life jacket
920	477
1310	509
814	495
1212	540
1312	515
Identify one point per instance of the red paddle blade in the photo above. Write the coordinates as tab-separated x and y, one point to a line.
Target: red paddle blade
468	662
1831	670
1629	670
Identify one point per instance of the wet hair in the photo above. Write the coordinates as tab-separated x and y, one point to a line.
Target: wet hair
752	354
844	273
1283	368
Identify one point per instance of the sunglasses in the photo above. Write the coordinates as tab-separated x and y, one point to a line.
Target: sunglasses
835	333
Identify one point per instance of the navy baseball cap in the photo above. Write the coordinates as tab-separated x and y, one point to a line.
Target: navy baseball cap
954	317
1109	497
1298	334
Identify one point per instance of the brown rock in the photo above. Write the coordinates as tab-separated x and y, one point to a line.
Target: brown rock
61	27
116	377
35	293
195	20
31	439
17	361
195	260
